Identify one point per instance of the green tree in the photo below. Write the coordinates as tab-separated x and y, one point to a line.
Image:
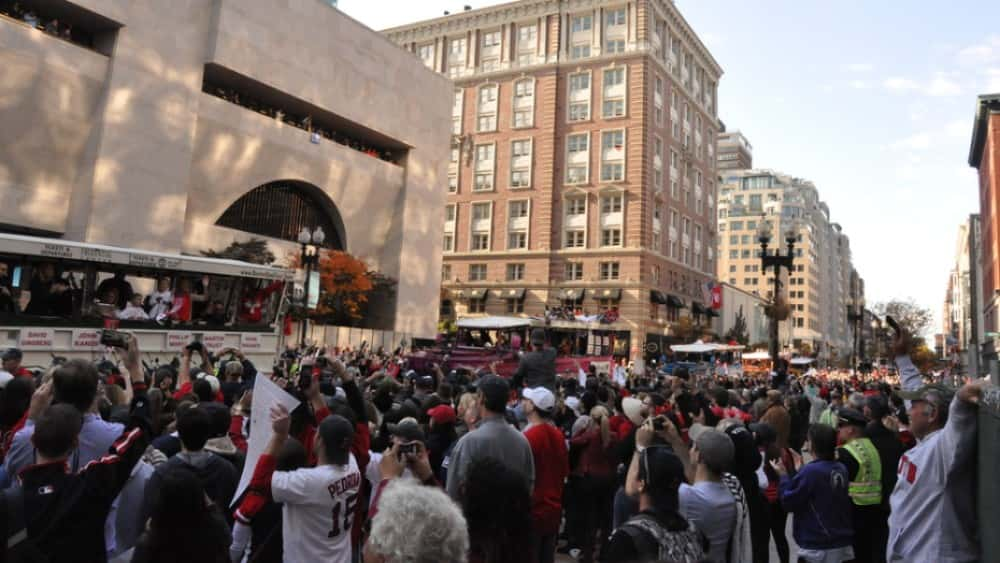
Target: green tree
254	251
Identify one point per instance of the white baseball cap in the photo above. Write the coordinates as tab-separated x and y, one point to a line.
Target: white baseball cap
541	397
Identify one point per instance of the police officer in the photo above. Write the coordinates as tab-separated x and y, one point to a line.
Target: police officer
864	469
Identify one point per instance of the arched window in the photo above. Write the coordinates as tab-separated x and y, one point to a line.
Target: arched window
281	209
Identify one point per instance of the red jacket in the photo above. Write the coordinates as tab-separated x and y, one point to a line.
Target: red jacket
548	448
595	458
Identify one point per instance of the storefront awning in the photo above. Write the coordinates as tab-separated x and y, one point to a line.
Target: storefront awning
697	308
570	294
613	294
658	297
472	294
675	302
517	293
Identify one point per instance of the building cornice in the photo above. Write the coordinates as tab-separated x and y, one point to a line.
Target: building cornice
985	106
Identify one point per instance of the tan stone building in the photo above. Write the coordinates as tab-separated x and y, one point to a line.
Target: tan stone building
182	126
583	161
735	151
819	289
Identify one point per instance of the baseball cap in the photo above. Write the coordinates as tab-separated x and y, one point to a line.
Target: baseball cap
632	407
408	429
715	449
212	380
851	416
541	397
12	354
921	393
442	414
573	403
764	432
425	381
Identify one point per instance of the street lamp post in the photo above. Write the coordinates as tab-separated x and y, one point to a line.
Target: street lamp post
308	259
855	314
777	261
876	329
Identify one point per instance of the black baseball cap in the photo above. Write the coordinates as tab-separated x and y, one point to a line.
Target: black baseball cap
335	431
12	354
407	429
851	416
495	389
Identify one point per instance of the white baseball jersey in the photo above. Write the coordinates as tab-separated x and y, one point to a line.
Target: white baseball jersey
318	511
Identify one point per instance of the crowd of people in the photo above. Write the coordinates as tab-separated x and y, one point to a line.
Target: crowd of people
381	463
50	25
300	121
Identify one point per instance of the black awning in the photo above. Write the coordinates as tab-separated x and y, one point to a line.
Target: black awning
658	297
675	302
711	312
477	294
570	294
697	308
614	294
510	293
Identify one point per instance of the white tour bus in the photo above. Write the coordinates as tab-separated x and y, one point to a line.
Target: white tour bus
57	295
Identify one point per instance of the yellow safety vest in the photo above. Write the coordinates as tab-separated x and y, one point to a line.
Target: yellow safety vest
866	488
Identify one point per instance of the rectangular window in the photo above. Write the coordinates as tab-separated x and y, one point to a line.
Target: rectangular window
611	204
452	183
477	306
426	54
611	237
613	156
614	93
515	272
614	17
448	244
579	111
477	272
520	164
480	241
517	241
574	271
579	96
526	37
487	117
524	103
613	46
575	239
491	39
580	51
577	158
517	209
445	272
485	163
515	305
609	271
576	206
581	23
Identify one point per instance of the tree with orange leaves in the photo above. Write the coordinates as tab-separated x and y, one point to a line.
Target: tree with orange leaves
346	284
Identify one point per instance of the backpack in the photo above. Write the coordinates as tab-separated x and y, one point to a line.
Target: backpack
682	547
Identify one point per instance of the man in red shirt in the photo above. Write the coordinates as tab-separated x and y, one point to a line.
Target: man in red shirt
548	448
12	363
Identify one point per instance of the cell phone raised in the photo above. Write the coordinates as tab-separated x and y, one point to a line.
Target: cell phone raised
305	379
114	338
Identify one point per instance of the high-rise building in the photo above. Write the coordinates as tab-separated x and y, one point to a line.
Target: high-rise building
734	152
984	156
583	163
819	288
961	318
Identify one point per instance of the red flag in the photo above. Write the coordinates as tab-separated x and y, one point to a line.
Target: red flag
717	297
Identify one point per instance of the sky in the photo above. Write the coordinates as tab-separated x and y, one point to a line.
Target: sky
871	100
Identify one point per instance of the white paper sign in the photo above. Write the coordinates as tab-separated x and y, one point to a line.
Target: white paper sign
214	341
86	339
177	340
36	339
265	395
250	343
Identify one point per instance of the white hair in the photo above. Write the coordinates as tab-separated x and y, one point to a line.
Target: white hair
418	524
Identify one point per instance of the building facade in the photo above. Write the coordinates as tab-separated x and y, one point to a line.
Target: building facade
181	127
819	287
582	162
734	152
962	319
984	156
739	306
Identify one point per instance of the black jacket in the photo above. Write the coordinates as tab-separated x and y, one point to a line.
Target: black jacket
537	369
64	512
215	473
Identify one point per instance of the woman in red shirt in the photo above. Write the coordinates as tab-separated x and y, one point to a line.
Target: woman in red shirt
595	476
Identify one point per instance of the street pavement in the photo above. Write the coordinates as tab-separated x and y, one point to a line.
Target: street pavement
773	558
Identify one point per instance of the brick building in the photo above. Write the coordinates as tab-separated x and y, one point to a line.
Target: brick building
583	163
984	156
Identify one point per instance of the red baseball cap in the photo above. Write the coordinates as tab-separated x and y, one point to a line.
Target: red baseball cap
442	414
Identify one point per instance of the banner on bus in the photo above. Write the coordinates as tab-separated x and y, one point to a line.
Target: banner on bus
86	339
36	339
178	339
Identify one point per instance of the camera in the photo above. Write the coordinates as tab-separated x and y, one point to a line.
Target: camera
659	423
195	346
407	449
114	338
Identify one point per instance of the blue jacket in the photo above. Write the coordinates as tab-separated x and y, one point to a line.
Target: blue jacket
817	495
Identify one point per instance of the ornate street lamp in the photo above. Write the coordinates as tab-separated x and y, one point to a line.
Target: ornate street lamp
308	258
777	310
855	314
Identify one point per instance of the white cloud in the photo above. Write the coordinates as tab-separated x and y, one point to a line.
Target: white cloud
941	86
860	67
900	84
983	53
860	85
915	142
